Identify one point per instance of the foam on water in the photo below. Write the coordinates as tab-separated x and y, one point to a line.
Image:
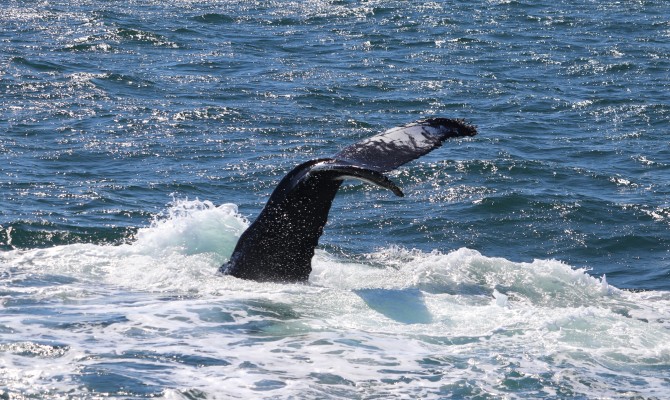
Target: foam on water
152	317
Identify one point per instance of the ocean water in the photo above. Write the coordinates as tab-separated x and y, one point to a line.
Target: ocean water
139	138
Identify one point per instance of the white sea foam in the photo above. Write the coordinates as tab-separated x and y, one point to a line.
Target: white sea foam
155	315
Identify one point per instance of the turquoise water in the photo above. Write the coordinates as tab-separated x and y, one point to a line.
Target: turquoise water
531	261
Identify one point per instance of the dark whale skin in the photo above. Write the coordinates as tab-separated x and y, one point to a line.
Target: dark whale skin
279	245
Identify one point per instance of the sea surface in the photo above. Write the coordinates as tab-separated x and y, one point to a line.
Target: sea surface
138	139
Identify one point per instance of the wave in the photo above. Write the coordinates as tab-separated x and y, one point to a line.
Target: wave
183	247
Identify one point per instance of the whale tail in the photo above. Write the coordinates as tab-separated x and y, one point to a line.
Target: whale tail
280	244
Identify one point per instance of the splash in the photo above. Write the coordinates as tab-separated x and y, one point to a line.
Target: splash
192	227
180	250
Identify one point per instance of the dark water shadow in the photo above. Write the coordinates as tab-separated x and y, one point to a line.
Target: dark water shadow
406	306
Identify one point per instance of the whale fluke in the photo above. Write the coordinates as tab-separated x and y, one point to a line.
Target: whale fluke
280	244
397	146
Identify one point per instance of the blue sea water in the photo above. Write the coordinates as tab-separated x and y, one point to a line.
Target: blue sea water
139	138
